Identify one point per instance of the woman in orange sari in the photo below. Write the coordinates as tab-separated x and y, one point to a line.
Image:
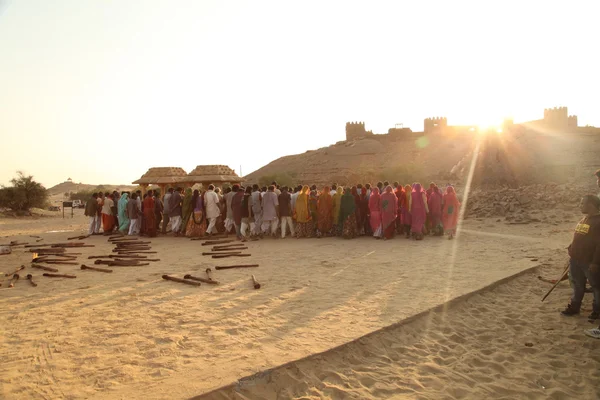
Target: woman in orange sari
304	222
149	215
325	212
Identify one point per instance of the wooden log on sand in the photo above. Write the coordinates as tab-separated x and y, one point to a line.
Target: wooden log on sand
72	244
30	279
222	254
195	278
126	256
237	266
96	269
45	268
58	262
130	260
22	267
231	255
78	246
134	252
60	276
79	237
56	250
131	249
229	249
211	242
227	246
171	278
132	243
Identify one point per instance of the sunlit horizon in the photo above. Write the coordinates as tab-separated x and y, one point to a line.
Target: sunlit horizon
102	91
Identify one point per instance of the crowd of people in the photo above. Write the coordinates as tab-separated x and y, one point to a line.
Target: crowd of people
381	211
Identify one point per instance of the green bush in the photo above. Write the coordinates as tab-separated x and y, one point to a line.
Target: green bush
24	194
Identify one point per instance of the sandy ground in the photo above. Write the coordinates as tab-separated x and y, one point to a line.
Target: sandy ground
130	334
501	343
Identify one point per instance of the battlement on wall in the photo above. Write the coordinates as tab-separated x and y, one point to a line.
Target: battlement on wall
434	124
356	130
558	118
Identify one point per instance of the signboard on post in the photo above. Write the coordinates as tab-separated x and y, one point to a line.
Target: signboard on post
67	204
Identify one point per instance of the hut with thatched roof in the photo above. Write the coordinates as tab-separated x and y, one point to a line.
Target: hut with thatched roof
161	176
215	174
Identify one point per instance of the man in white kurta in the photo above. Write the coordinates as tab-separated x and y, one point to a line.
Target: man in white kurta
211	202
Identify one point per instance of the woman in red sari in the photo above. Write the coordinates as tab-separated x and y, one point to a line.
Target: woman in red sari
375	212
400	196
389	211
149	215
357	211
450	212
434	202
324	213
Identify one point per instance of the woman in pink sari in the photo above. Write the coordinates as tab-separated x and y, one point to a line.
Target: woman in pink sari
450	212
406	217
375	211
418	210
434	202
389	212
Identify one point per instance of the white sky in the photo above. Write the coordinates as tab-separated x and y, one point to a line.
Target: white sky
100	91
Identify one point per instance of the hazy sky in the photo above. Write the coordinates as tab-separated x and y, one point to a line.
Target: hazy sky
100	91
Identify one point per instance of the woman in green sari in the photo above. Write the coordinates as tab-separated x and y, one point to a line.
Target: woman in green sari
186	209
348	215
337	204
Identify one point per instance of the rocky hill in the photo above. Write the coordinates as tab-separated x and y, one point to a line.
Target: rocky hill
73	187
513	158
377	157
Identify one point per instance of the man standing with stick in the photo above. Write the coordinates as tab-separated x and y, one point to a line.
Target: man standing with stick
595	333
584	253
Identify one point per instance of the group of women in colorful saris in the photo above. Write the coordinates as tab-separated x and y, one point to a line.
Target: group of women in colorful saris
357	211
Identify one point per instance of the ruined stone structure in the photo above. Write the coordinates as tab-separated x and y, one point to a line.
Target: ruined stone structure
435	125
356	130
555	119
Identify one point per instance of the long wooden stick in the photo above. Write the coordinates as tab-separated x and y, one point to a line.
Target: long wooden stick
222	254
79	237
211	242
565	272
55	250
228	248
231	255
60	276
86	245
195	278
136	251
45	268
171	278
96	269
127	256
237	266
22	267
